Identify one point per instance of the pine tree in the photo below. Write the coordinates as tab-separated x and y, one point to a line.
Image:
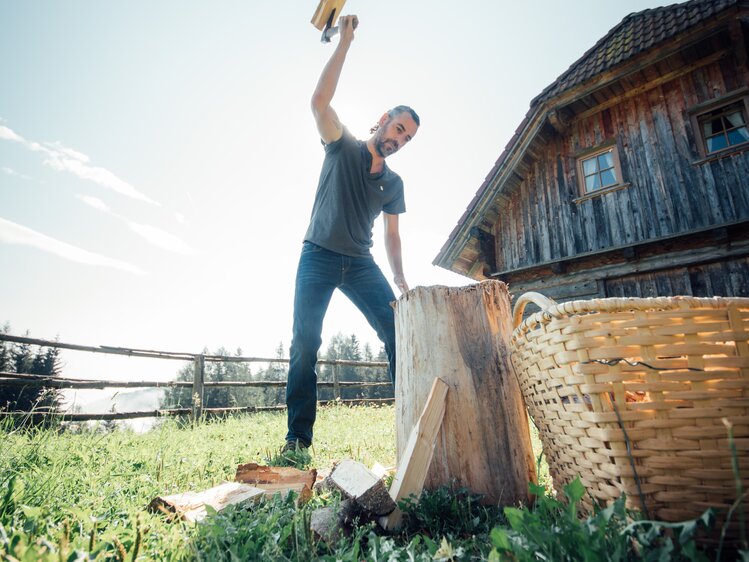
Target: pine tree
23	358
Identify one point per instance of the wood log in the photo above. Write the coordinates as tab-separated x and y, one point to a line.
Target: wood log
412	470
356	481
278	479
461	335
325	525
191	506
333	522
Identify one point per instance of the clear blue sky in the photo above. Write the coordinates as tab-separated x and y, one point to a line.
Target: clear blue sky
158	160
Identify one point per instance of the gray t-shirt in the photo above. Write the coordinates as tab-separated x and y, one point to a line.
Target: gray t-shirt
349	198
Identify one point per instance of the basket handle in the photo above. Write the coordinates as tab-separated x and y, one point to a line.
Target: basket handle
538	299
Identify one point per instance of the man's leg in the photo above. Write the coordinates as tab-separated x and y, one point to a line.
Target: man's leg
315	282
366	286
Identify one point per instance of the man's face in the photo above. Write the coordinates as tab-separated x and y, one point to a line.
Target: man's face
394	133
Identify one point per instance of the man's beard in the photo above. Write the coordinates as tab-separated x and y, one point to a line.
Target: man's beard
381	145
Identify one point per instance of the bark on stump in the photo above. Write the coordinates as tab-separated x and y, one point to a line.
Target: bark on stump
461	335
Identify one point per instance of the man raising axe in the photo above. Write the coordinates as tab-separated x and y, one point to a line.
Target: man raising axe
355	186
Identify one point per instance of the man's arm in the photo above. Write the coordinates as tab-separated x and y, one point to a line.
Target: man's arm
393	250
328	125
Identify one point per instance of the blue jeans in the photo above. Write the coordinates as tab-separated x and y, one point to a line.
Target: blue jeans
320	272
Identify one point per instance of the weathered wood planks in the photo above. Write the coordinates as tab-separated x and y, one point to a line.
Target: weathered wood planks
669	189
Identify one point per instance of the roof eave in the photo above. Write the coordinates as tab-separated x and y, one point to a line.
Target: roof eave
492	186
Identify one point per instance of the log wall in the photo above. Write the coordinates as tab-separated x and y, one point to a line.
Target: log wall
724	278
670	192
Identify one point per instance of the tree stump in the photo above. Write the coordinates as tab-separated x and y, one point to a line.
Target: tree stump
461	335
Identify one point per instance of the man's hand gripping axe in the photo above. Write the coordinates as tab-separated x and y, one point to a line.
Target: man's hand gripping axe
325	17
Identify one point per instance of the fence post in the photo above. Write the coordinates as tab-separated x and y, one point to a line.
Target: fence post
336	380
198	387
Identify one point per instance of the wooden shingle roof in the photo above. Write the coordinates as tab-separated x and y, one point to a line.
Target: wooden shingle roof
635	34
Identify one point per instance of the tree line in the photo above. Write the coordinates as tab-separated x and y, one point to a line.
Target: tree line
45	361
33	360
340	347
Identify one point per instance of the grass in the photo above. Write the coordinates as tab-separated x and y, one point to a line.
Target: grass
81	496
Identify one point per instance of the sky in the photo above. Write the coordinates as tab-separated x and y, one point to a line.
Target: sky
159	160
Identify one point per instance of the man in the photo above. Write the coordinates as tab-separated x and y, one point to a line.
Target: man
355	186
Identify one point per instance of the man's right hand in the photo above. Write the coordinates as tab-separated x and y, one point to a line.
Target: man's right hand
346	27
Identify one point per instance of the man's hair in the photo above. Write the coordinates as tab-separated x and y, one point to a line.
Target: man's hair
397	110
403	109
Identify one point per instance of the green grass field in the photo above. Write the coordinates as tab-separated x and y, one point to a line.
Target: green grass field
82	496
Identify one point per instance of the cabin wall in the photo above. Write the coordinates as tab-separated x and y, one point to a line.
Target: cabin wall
706	264
722	278
670	191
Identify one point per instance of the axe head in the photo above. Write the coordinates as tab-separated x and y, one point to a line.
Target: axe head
327	13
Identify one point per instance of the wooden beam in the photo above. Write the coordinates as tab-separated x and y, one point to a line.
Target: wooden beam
720	235
736	230
653	84
487	248
412	472
684	258
26	379
558	121
198	387
179	356
209	412
738	39
559	267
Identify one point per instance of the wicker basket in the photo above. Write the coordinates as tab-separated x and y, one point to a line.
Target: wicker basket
633	396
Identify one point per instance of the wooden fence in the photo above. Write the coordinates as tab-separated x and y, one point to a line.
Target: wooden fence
198	384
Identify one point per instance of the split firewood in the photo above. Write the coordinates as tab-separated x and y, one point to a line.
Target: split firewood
356	481
413	467
191	506
278	479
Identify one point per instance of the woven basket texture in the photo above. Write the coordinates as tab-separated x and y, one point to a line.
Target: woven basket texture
635	396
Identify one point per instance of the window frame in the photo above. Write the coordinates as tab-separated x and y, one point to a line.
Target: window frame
698	113
594	152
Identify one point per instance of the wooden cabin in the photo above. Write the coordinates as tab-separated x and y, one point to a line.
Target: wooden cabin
629	175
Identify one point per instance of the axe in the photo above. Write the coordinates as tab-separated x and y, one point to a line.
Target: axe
325	17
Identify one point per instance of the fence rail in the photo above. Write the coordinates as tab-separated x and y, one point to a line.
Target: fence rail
198	384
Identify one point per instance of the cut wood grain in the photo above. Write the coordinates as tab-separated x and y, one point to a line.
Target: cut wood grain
356	481
278	479
191	506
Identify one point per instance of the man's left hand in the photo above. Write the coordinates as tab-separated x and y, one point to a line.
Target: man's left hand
400	282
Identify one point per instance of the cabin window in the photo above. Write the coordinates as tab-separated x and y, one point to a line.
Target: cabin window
599	170
724	127
722	124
